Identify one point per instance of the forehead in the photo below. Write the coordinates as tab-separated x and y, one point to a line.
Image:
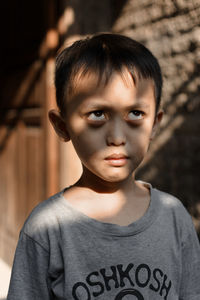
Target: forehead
120	88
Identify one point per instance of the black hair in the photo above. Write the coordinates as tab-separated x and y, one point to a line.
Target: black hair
103	54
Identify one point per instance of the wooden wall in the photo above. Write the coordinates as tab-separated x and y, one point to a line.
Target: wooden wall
25	179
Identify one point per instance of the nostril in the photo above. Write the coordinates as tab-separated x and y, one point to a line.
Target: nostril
113	140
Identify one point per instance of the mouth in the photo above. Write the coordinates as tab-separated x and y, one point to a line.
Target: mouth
117	160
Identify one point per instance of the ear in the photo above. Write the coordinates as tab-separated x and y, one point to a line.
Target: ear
59	125
157	121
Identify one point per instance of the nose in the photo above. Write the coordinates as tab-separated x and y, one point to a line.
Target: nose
116	134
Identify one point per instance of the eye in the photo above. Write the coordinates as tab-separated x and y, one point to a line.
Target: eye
97	115
135	115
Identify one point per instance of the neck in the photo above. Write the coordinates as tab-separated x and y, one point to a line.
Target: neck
101	186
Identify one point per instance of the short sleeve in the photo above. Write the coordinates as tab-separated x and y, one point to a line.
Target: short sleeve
190	284
29	279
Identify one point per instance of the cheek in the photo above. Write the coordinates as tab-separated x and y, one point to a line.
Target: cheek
88	143
75	125
140	137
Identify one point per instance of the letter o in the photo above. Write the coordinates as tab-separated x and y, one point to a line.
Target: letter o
76	286
129	292
142	266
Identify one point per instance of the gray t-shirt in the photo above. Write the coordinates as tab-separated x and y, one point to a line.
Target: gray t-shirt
64	254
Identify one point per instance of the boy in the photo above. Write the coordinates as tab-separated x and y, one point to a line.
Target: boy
108	236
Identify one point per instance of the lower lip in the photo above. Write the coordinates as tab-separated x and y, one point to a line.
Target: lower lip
117	162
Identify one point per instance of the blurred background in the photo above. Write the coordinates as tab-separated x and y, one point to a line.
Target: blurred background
34	164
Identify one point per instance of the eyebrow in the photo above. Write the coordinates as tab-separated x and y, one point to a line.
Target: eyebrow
99	104
140	104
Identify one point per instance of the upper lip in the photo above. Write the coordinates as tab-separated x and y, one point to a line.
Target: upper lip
117	156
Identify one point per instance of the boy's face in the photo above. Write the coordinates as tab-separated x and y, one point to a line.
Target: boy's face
111	127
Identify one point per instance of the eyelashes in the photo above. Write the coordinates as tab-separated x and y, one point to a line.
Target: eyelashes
102	116
135	115
97	115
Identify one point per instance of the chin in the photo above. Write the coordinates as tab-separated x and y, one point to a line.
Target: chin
109	175
112	178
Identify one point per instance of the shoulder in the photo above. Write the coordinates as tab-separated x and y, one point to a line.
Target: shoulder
44	219
173	211
164	199
169	202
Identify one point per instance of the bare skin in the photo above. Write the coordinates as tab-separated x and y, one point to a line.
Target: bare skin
121	207
111	129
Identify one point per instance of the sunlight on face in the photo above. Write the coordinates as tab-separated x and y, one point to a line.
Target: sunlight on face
110	126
